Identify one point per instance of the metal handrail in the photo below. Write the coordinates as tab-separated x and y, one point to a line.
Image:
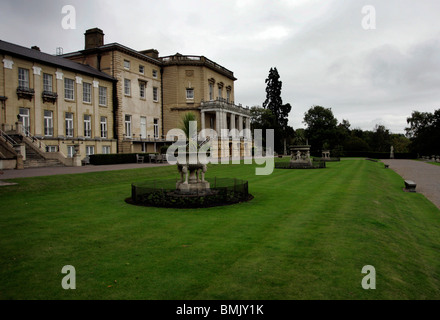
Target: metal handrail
7	138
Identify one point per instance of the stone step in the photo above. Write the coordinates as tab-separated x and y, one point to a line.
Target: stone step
37	163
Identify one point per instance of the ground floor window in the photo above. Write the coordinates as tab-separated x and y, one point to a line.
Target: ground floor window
106	149
51	148
70	151
90	150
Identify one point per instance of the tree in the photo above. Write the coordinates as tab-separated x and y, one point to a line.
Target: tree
280	111
321	127
424	132
380	139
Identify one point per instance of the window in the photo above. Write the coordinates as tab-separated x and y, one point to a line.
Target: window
128	126
155	74
106	149
211	91
48	123
127	87
68	88
47	82
155	94
228	95
141	69
127	64
103	127
70	151
87	92
190	94
69	124
87	126
102	96
23	78
220	93
90	150
51	148
142	89
156	128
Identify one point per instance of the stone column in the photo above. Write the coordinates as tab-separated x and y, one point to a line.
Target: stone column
202	122
233	125
248	127
240	124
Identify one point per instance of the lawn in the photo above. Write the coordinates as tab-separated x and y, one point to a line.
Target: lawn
306	235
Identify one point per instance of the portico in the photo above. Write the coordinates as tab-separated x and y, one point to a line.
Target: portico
231	125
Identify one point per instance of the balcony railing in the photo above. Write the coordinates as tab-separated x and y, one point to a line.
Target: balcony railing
25	93
223	103
49	96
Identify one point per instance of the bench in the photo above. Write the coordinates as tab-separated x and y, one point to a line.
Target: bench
387	166
410	185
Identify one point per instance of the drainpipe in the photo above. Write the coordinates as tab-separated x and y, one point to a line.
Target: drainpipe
161	96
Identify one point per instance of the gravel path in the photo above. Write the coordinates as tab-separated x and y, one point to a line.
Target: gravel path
425	175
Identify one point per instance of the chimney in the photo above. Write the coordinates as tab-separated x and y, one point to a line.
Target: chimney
35	48
94	38
153	53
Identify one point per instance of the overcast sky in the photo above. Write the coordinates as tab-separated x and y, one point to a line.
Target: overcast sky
322	50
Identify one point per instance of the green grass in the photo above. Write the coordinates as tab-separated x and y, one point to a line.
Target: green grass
306	235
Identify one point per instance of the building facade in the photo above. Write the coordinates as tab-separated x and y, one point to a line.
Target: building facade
60	108
201	86
138	93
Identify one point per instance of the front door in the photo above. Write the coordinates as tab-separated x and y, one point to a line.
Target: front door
25	121
143	127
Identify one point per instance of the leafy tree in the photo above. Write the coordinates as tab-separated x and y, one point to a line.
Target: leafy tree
424	132
380	139
321	127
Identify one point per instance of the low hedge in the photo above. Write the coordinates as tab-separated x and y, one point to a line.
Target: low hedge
116	158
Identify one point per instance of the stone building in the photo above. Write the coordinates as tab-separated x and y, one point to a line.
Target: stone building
53	110
137	100
153	93
199	85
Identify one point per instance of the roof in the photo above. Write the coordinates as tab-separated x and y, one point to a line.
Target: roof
115	46
57	61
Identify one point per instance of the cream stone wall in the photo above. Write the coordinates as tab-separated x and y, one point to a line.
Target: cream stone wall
79	108
178	78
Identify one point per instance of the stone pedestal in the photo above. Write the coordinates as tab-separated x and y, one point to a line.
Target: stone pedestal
192	178
300	155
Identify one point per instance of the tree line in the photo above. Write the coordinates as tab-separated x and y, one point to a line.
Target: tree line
324	132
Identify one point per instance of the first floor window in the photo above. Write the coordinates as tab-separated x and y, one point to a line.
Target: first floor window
142	89
48	123
47	82
211	91
156	95
68	89
103	127
190	94
128	126
69	124
102	96
106	149
23	78
127	87
87	92
87	126
90	150
156	128
228	95
70	151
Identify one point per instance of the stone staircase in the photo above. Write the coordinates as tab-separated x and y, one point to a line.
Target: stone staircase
35	160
